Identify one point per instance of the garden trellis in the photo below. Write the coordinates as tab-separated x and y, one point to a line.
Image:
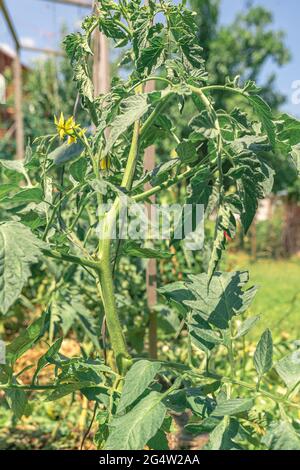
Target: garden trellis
17	68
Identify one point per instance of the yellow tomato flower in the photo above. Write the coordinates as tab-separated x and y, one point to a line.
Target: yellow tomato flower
68	127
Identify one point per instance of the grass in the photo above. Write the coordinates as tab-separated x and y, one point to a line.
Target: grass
278	297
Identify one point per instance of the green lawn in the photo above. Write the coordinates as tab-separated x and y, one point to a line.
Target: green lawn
278	297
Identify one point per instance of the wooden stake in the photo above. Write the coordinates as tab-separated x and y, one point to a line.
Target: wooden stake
101	75
17	71
151	270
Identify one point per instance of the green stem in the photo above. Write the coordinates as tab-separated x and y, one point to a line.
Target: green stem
148	79
107	292
80	210
223	88
132	158
159	108
111	315
123	26
211	111
105	272
56	207
264	393
228	380
71	258
155	189
231	352
41	387
237	91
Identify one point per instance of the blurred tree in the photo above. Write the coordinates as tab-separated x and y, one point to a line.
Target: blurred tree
244	47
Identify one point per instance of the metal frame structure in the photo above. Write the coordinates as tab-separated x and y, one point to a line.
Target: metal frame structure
17	72
17	67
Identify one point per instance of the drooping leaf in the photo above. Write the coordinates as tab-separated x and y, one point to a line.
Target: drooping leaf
222	298
282	436
185	32
202	335
162	172
140	375
288	131
141	25
263	356
187	151
17	400
295	154
78	169
151	56
246	326
18	249
44	359
25	196
61	390
13	165
204	125
233	407
133	430
225	228
26	339
78	49
254	180
176	293
72	311
288	369
6	189
65	153
110	28
264	113
132	109
222	437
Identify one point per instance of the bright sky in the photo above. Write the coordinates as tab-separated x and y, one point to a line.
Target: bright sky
38	23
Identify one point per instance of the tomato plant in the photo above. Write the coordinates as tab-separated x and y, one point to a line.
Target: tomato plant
56	210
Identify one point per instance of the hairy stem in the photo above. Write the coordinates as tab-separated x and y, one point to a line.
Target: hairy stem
71	258
156	112
106	273
112	319
132	158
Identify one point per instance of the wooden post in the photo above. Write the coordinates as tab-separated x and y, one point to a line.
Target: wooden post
17	71
101	75
101	72
151	270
